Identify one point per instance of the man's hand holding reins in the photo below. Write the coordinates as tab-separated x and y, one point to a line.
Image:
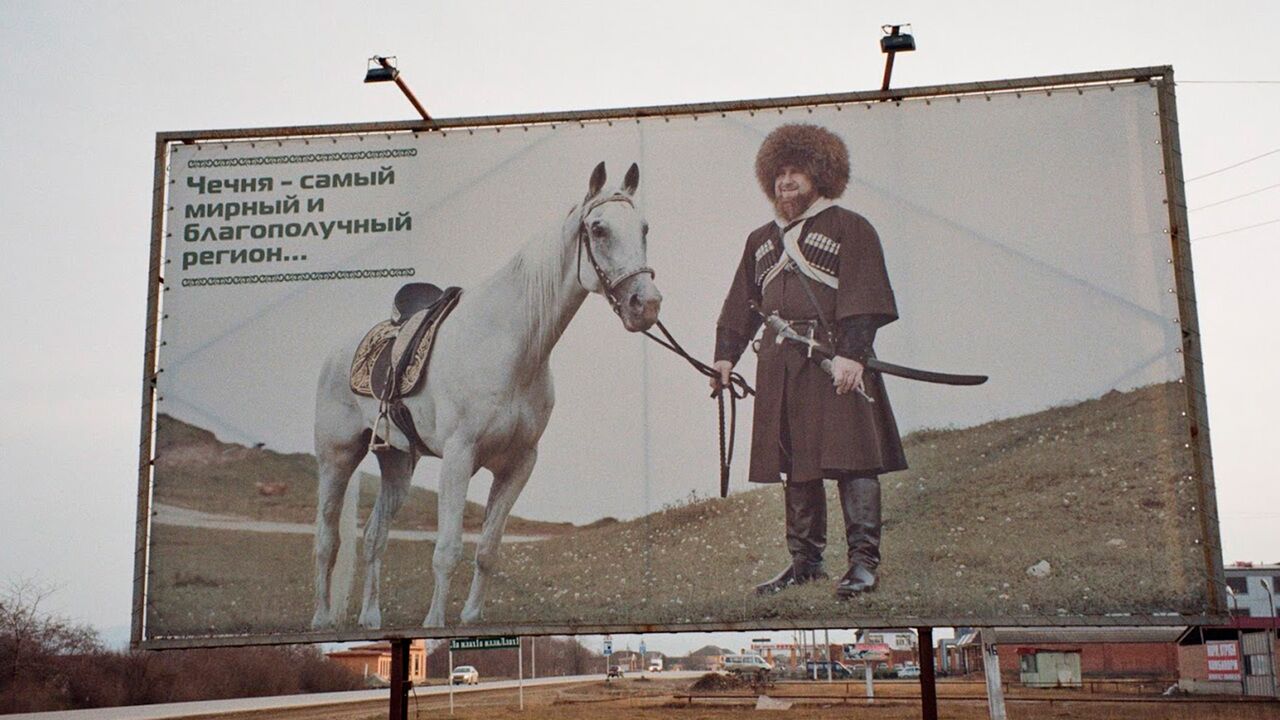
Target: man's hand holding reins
724	368
846	375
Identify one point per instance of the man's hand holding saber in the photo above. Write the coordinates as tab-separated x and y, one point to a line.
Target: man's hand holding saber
846	373
830	360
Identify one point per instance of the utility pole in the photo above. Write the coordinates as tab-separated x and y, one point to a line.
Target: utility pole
1272	611
991	668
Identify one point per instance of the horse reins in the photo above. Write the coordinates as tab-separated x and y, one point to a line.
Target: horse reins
737	387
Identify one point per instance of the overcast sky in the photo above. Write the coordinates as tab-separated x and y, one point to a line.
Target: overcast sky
85	87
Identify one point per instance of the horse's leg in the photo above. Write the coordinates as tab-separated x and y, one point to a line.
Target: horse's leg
397	472
455	475
336	458
506	488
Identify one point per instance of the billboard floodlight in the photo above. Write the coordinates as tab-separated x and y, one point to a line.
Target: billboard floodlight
894	42
383	69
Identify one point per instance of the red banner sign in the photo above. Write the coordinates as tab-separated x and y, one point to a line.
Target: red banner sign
1223	657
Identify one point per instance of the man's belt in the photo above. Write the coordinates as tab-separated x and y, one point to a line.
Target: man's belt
785	331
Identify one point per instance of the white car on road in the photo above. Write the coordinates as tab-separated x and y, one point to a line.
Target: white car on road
748	665
464	675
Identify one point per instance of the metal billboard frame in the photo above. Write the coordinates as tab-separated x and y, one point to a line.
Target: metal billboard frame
1197	425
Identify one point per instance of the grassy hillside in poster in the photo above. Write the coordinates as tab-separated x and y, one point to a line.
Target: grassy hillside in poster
1092	495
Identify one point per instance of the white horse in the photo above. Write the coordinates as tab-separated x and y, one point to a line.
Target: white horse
487	396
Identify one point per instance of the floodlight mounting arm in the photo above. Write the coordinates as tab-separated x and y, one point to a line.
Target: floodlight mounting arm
894	42
399	81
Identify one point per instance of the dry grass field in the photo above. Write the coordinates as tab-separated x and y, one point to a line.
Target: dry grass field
662	699
1100	491
196	471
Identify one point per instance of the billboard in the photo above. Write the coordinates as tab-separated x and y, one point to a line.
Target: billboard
339	445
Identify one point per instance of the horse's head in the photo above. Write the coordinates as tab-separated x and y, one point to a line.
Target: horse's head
612	236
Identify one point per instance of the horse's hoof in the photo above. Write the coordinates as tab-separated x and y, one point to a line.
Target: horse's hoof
371	619
322	621
472	617
433	620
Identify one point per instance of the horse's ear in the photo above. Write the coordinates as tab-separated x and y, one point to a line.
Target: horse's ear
597	180
632	180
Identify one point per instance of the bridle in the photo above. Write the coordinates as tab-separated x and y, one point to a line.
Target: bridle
608	283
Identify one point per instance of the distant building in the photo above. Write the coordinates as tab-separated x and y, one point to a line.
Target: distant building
1232	659
876	655
628	660
655	661
777	654
896	638
373	661
902	643
1079	653
790	655
1236	658
1247	586
707	657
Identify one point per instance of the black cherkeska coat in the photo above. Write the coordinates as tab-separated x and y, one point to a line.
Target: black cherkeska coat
829	434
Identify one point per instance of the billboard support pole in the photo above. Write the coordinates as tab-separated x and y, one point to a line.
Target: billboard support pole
400	683
1271	639
150	370
1197	430
826	653
928	688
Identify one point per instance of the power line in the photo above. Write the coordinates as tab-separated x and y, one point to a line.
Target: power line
1234	197
1235	230
1227	82
1229	167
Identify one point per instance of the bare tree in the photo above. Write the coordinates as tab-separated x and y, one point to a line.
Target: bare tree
30	644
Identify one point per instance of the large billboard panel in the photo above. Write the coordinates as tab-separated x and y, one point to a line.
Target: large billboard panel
341	451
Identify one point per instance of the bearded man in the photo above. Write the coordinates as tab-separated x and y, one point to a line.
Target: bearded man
820	267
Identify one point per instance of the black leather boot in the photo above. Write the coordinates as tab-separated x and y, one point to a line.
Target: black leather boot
806	517
797	573
860	505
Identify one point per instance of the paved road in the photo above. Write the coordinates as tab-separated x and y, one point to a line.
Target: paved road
217	707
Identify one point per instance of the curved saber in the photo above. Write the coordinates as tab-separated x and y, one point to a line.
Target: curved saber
785	332
928	376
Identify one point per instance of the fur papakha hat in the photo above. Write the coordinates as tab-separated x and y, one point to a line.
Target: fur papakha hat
820	153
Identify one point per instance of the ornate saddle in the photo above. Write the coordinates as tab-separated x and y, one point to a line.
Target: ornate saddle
390	363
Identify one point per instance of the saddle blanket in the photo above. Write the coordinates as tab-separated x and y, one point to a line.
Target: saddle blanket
391	361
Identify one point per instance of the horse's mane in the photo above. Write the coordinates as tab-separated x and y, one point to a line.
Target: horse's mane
540	266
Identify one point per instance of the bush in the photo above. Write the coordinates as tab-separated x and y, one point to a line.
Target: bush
47	663
32	646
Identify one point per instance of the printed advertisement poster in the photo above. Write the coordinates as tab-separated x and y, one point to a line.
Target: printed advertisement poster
405	383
